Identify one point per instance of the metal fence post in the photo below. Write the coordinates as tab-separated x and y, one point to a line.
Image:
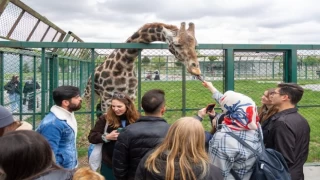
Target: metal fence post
139	81
43	82
20	85
229	69
92	87
183	90
1	79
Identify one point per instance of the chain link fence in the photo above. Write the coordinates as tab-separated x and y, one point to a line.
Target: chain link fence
254	72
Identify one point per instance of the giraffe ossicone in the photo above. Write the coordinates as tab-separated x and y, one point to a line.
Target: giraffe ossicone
116	73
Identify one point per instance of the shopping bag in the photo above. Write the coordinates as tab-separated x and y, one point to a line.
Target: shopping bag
95	156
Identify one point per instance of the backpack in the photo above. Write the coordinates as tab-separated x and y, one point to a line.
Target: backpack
269	165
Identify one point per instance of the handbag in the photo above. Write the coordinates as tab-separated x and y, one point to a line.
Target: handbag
95	153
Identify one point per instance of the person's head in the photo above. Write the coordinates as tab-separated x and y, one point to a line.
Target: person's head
67	97
185	143
287	93
86	173
15	78
265	98
153	102
240	111
121	105
7	122
24	154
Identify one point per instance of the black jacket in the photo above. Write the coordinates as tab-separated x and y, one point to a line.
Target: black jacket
289	133
12	87
142	173
134	142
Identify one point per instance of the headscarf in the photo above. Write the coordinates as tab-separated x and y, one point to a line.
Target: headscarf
240	111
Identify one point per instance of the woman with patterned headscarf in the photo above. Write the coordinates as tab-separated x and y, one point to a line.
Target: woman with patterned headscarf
240	118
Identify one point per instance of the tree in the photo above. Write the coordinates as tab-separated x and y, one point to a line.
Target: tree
26	68
178	63
145	60
212	58
311	60
158	62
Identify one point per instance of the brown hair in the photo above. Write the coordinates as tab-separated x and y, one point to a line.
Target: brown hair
131	113
266	112
86	173
11	127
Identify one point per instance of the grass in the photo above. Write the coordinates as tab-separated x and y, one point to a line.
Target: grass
198	97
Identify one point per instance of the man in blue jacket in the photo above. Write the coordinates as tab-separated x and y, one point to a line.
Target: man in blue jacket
59	127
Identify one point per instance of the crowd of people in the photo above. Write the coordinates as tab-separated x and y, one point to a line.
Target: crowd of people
145	147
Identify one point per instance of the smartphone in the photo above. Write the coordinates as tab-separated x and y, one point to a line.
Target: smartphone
119	130
210	107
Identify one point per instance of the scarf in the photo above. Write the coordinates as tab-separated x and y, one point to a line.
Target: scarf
240	111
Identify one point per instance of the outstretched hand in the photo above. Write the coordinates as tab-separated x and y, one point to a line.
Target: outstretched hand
209	86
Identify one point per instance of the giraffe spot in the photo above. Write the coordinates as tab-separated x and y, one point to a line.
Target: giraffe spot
153	38
111	55
111	65
107	82
121	89
158	35
130	91
127	59
144	37
118	67
132	51
100	68
107	64
119	81
116	73
130	68
135	36
100	81
109	89
159	29
151	31
96	77
118	56
144	30
163	38
122	51
105	74
132	82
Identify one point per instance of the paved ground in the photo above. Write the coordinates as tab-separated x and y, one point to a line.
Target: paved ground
311	171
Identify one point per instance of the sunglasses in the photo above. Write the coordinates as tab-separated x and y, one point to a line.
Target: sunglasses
118	95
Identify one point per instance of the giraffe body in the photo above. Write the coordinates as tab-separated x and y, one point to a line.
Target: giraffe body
116	73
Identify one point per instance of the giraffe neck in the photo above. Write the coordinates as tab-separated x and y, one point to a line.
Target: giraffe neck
146	34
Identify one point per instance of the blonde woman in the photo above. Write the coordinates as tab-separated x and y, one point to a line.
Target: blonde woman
181	155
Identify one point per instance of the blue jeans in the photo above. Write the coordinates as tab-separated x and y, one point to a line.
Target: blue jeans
14	101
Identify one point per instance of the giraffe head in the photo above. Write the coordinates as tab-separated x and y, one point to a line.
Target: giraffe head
182	44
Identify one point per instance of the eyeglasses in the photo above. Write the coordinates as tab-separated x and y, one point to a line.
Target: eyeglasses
273	93
118	95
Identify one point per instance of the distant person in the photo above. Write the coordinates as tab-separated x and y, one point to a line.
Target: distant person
59	127
30	93
288	131
267	110
181	155
85	173
142	136
8	124
27	155
121	114
13	90
157	75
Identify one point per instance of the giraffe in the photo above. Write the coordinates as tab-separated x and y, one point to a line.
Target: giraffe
116	73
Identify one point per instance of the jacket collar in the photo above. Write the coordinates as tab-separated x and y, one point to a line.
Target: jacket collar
283	113
65	115
150	118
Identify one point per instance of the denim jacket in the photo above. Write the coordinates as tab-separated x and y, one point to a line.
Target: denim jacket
59	127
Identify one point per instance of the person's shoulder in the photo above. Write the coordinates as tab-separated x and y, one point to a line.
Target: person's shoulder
214	173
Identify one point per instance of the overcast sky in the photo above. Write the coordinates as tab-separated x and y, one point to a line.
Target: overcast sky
216	21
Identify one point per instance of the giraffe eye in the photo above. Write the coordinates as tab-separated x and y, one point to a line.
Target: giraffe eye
194	64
